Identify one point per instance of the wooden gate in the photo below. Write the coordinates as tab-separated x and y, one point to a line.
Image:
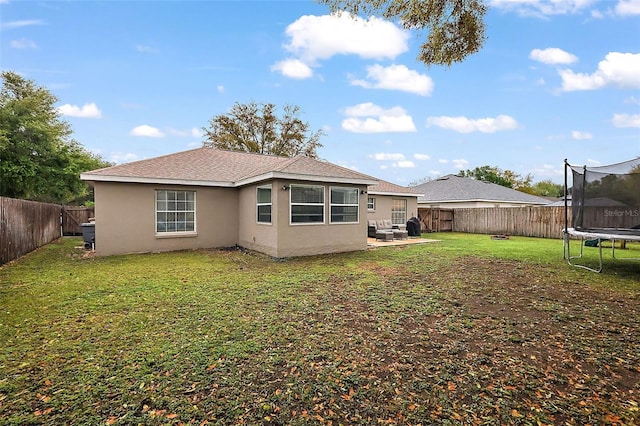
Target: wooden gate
73	217
435	219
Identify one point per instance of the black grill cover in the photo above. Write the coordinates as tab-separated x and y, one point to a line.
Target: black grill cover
413	227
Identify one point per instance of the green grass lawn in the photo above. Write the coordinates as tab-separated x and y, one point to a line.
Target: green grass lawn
468	330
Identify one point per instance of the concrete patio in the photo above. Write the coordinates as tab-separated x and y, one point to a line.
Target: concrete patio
372	242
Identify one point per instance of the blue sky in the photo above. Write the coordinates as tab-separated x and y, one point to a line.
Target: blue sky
556	79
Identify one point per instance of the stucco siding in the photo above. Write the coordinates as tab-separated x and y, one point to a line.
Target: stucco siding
311	239
383	206
125	219
252	235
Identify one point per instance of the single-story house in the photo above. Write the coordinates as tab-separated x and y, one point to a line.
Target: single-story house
208	198
385	197
453	191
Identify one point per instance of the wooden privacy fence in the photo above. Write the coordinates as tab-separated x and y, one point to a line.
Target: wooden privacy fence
544	222
25	226
73	217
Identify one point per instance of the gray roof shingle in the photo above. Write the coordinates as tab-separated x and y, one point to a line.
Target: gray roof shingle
215	167
383	187
455	188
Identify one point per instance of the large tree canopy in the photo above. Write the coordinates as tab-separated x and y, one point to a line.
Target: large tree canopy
455	27
255	127
38	158
507	178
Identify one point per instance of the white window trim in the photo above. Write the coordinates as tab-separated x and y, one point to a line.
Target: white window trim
175	234
264	204
324	205
345	205
405	210
372	209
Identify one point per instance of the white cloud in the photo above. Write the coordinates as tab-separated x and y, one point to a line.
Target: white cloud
381	156
122	157
593	162
443	161
422	157
467	125
193	132
460	163
315	38
19	24
406	164
580	136
628	7
396	77
220	88
542	8
632	100
626	120
293	68
617	69
321	37
552	56
23	43
146	49
86	111
147	131
377	119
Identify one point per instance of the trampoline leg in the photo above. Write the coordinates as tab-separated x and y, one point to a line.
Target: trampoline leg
569	258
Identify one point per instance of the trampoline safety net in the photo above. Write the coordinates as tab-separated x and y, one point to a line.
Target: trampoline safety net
606	198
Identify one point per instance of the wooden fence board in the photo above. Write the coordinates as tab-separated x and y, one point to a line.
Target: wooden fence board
25	226
543	222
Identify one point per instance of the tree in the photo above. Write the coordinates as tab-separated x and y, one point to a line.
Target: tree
38	158
544	188
255	127
456	27
498	176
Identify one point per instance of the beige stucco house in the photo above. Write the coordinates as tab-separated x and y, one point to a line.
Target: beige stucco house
385	197
207	198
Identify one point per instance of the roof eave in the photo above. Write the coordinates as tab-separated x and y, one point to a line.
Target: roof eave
480	200
160	181
396	194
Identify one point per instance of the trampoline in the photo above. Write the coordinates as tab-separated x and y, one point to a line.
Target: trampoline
604	206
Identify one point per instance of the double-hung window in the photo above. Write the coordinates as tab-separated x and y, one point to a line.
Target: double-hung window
398	211
344	205
371	203
263	201
175	211
307	203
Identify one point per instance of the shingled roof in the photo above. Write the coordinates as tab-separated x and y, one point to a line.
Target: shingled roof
214	167
387	188
452	188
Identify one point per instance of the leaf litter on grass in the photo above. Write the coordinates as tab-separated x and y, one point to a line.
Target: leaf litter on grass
364	338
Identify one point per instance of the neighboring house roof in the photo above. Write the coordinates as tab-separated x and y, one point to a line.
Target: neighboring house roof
215	167
452	188
387	188
589	202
